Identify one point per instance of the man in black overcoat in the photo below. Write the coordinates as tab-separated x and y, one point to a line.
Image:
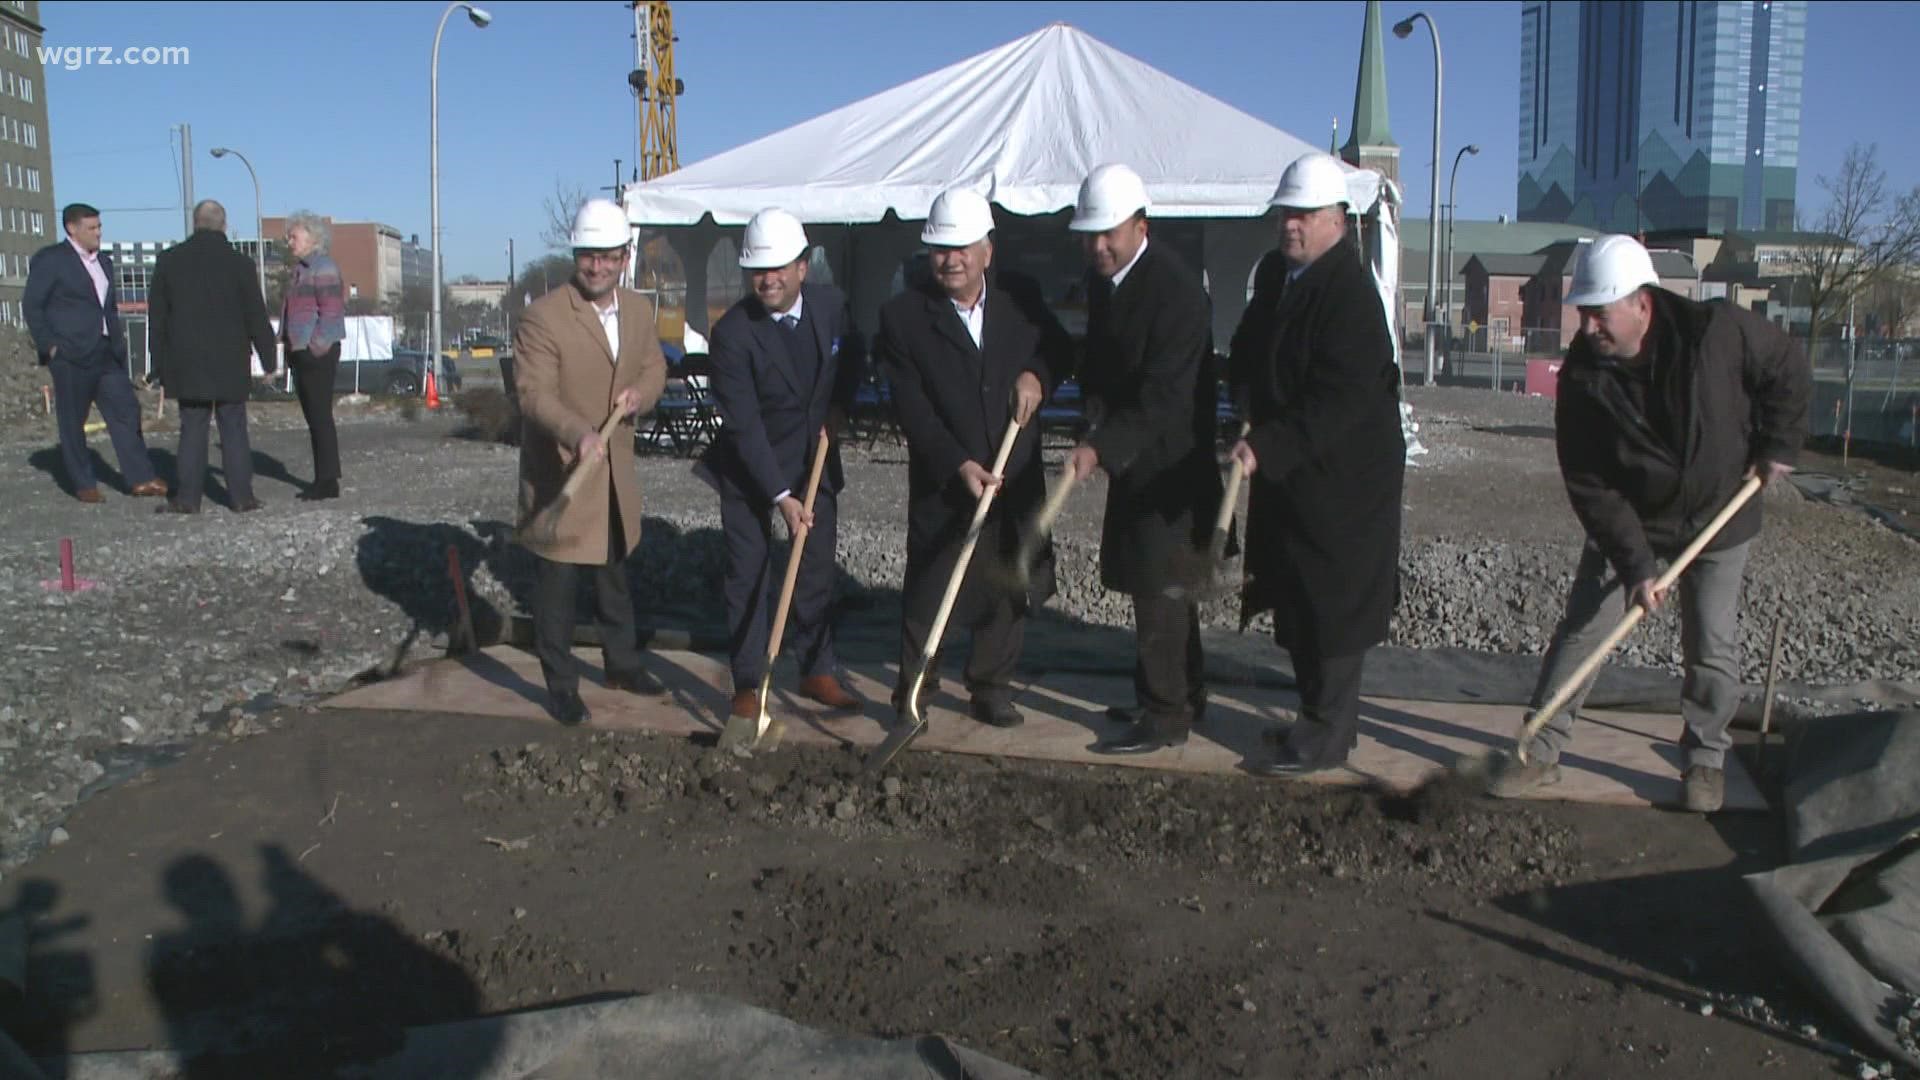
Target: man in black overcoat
204	311
1314	362
966	357
1148	380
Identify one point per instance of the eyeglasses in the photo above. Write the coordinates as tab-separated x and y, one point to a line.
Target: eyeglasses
615	256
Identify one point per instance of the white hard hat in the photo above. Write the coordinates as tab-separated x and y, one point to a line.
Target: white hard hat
958	218
1609	268
600	225
1110	195
774	239
1311	182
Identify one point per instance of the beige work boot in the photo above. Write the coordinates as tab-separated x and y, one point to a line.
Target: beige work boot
1705	789
1511	780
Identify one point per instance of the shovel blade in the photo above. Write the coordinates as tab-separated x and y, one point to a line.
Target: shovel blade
909	729
745	734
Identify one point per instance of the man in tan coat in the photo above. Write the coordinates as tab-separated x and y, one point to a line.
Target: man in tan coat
582	352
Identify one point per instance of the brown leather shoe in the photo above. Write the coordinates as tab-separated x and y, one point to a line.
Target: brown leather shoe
151	488
746	704
827	690
90	495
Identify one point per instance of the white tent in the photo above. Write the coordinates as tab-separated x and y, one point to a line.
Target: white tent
1022	124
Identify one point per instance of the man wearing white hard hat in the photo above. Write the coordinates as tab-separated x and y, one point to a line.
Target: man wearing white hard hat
1313	361
786	364
966	355
1665	407
584	352
1148	380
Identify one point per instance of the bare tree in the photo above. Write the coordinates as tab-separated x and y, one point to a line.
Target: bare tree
561	208
1862	236
1894	301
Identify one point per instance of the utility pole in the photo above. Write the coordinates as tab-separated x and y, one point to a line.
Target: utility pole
619	189
504	304
186	179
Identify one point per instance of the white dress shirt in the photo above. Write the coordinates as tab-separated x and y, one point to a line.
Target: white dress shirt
610	324
1122	275
91	260
975	316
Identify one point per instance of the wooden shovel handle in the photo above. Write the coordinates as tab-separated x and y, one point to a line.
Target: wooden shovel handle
1634	614
966	550
583	469
793	557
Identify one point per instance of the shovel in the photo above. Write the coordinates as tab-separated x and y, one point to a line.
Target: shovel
1039	531
743	735
913	723
1594	659
543	528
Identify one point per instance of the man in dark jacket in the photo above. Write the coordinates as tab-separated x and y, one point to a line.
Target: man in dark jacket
1665	407
966	358
1149	383
204	310
1326	460
786	363
72	308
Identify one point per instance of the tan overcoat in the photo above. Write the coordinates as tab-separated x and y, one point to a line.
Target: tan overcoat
567	379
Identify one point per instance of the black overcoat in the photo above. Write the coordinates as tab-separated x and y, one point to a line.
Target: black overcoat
1314	362
203	311
1151	392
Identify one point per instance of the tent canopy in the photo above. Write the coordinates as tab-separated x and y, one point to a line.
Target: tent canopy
1022	124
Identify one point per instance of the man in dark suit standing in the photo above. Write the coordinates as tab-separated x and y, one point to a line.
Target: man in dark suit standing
1149	383
786	364
1325	460
203	312
965	359
73	312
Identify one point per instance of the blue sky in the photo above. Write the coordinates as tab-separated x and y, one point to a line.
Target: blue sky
329	100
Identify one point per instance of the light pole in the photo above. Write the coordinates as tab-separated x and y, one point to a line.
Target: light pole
1402	29
260	239
480	19
1453	218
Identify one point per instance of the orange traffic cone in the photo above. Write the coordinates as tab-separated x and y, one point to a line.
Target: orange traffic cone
433	391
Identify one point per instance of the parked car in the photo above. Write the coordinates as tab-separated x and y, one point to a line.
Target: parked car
401	374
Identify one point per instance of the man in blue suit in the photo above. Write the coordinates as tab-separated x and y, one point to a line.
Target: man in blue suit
73	313
786	363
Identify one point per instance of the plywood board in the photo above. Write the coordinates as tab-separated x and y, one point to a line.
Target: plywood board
1628	759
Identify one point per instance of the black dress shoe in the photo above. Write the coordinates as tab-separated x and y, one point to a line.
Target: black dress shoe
1000	714
246	506
1286	762
1145	736
171	507
567	708
637	681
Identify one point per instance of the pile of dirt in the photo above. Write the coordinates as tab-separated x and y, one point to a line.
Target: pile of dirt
1211	826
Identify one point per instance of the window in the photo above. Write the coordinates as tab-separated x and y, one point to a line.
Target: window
39	224
26	90
33	136
9	174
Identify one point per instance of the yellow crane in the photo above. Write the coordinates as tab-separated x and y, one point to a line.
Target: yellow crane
655	87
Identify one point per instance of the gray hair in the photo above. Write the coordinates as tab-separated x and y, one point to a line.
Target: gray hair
208	214
315	227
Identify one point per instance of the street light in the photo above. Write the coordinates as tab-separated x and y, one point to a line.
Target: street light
480	18
260	239
1453	218
1402	29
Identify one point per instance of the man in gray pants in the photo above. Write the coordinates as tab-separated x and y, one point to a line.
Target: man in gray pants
1665	407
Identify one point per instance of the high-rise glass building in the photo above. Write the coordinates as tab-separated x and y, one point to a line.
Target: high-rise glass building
1661	115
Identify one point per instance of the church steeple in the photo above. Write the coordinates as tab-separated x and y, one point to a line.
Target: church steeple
1369	144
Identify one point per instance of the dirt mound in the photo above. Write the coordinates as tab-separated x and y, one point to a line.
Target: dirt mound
1213	826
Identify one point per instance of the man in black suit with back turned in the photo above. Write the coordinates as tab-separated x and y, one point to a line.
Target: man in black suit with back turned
204	312
73	312
786	364
965	358
1148	376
